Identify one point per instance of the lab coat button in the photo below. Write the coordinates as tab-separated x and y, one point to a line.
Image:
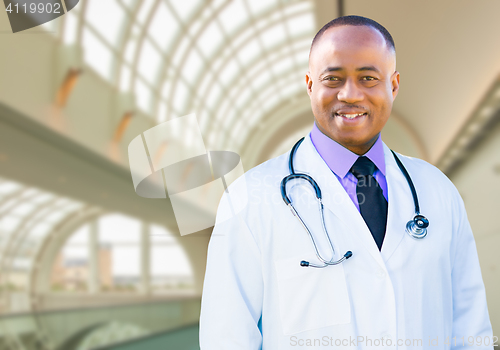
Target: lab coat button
381	274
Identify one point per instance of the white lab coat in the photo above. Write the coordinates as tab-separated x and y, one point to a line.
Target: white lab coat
418	294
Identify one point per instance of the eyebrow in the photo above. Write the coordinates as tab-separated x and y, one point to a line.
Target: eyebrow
369	68
360	69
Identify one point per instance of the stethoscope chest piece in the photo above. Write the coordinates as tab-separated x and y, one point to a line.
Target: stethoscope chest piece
417	228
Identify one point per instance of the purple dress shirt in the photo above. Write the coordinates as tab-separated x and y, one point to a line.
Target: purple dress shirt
340	160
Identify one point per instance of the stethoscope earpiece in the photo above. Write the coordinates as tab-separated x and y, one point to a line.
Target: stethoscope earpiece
417	228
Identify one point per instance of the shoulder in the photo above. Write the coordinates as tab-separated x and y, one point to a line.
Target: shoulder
427	175
257	183
264	175
421	166
274	166
250	198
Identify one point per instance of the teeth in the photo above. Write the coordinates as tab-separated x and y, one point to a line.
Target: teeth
351	116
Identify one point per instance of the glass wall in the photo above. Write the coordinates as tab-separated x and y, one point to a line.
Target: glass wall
119	254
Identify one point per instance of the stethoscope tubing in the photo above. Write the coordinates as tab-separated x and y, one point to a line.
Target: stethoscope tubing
296	214
416	228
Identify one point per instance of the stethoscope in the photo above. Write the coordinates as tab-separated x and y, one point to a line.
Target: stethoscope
416	228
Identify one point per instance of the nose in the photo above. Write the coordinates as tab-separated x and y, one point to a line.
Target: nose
350	92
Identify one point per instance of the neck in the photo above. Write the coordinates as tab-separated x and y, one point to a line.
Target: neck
361	149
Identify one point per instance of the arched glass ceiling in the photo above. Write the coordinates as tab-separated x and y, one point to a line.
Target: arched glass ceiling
27	216
230	61
30	217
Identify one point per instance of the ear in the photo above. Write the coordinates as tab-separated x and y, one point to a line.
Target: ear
395	84
309	83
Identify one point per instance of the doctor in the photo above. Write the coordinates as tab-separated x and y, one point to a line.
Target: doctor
395	291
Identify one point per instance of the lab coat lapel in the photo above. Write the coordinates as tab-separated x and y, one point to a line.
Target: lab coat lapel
335	198
400	205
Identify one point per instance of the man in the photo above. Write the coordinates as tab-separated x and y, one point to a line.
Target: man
395	291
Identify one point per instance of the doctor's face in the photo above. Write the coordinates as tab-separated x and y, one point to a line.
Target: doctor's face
352	84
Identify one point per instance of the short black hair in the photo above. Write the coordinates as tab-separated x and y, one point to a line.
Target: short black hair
356	21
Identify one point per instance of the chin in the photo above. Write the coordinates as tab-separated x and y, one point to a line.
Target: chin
353	139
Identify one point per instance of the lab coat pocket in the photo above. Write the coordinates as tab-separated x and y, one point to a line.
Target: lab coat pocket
311	298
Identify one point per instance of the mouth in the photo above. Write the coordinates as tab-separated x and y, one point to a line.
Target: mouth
350	116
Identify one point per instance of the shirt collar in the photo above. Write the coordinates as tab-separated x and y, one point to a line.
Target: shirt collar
339	159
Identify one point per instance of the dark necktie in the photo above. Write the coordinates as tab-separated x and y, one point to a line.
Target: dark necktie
372	204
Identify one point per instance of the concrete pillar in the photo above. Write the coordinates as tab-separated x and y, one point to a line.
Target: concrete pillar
93	276
145	261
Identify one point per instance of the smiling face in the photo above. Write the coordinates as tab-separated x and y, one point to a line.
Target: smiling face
352	84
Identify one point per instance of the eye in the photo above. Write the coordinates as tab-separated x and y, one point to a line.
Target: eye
331	78
368	78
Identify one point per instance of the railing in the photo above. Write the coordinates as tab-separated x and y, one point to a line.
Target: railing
185	338
66	329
